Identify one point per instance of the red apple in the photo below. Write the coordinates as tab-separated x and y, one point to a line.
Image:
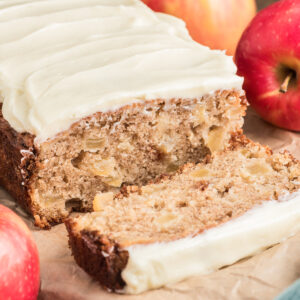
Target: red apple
19	261
268	56
217	24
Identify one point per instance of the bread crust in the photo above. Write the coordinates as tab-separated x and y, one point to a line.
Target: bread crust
101	257
17	163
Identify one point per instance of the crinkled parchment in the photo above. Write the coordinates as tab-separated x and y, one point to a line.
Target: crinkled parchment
261	277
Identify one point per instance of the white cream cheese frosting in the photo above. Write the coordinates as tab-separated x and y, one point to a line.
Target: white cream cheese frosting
154	265
62	60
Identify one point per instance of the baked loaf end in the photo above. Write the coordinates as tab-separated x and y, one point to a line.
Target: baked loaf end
17	163
103	152
196	198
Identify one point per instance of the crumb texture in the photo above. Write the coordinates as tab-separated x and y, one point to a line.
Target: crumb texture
196	198
130	146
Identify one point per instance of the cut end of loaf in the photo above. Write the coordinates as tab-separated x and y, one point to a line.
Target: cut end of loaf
130	146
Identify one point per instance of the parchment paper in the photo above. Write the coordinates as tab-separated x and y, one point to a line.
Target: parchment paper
261	277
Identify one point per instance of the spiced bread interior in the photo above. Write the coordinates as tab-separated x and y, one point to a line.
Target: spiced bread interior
206	216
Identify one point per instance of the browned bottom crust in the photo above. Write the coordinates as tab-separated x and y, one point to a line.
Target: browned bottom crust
100	257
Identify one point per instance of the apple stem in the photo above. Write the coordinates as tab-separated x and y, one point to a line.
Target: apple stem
285	84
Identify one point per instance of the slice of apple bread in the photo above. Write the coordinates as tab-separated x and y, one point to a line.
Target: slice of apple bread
207	215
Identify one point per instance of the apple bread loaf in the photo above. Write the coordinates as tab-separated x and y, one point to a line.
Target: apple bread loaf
104	93
205	216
